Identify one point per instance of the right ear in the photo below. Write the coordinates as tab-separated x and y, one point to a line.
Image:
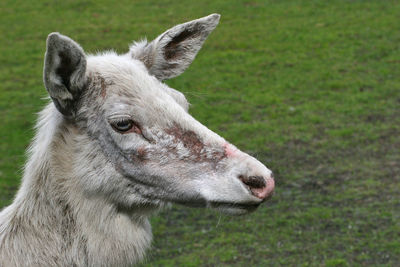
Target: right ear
64	72
172	52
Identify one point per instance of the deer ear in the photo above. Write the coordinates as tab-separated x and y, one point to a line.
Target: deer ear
64	72
172	52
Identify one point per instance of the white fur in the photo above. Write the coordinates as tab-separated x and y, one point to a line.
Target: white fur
87	190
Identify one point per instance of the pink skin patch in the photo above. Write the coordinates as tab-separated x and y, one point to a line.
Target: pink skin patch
230	150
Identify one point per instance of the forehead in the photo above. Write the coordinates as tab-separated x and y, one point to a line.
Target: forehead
124	85
123	72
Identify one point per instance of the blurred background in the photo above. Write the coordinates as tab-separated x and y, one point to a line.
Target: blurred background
310	88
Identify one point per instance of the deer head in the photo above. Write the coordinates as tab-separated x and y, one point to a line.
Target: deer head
140	146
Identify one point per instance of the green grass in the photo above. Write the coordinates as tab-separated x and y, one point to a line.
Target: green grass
311	88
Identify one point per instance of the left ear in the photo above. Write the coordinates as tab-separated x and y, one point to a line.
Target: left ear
173	51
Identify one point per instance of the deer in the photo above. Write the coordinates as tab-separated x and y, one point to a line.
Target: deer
114	145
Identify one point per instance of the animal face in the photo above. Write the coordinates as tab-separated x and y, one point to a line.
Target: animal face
147	148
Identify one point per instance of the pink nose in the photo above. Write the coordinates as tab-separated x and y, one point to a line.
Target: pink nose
259	186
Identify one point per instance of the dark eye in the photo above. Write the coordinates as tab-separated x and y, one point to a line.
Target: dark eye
123	126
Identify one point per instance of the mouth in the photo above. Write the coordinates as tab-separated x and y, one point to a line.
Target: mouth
234	208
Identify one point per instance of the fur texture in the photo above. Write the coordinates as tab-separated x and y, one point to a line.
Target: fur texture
115	145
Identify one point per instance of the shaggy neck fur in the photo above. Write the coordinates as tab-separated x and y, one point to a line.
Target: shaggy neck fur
53	222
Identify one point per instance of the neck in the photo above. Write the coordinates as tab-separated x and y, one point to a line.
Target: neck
62	222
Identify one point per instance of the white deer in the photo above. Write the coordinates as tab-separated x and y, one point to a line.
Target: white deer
114	145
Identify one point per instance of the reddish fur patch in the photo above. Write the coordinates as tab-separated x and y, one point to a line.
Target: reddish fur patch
191	141
188	138
101	83
103	92
140	154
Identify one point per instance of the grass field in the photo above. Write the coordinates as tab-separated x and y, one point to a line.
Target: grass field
311	88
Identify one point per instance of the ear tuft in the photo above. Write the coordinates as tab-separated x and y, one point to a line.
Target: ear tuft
64	72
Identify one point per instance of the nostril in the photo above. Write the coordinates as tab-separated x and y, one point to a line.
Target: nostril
253	181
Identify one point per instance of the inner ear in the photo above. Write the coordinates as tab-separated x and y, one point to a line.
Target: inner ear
66	69
175	48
